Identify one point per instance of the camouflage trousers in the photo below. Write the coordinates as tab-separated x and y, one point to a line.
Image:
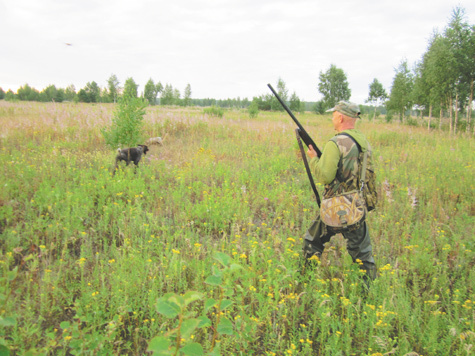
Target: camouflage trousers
358	244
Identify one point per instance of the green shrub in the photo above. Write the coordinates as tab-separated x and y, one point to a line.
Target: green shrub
127	124
214	111
389	116
253	110
411	121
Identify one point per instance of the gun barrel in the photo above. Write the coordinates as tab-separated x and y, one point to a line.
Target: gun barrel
303	134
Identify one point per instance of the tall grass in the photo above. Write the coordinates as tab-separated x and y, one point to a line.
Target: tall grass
199	251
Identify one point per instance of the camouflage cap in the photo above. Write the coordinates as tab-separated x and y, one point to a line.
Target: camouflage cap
346	108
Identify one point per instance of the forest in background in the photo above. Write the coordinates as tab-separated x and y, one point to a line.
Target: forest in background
439	85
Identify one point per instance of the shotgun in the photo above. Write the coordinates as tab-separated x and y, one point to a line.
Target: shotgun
302	135
301	131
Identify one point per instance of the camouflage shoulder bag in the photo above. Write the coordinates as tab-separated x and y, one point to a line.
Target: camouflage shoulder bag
346	209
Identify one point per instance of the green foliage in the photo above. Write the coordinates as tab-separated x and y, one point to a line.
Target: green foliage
412	121
294	104
107	265
319	107
10	95
389	116
130	88
170	96
253	110
173	306
444	76
127	124
214	111
185	321
283	93
263	102
50	93
90	94
113	88
187	97
333	86
435	75
377	93
70	93
400	98
7	322
151	91
27	93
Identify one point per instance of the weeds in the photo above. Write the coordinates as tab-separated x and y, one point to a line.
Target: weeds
198	253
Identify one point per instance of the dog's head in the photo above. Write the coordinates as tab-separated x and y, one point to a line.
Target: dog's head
144	148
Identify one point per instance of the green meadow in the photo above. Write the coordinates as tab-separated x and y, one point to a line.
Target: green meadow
198	252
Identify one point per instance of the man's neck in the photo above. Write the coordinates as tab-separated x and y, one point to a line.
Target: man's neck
345	127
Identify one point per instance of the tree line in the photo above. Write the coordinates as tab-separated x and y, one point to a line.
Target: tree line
440	85
93	93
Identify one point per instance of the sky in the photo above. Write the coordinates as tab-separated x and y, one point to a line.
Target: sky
222	48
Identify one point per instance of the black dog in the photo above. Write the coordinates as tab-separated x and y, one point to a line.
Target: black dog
133	154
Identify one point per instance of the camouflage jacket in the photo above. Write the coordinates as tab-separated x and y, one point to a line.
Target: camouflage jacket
349	171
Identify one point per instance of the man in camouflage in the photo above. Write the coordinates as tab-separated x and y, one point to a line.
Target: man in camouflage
338	170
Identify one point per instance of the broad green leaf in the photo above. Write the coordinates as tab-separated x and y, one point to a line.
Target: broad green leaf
214	280
33	352
222	258
225	303
204	322
228	292
8	321
191	296
234	267
167	308
177	299
209	304
12	274
225	327
160	346
65	325
193	349
4	351
216	271
188	326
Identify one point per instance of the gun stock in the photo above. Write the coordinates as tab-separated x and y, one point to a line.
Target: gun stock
301	131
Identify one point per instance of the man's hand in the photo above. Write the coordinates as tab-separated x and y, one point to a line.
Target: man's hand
311	152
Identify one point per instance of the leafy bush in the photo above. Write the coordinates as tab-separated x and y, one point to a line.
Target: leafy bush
412	121
127	124
214	111
319	107
253	110
389	116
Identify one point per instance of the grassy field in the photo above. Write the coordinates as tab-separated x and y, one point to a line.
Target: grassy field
198	252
